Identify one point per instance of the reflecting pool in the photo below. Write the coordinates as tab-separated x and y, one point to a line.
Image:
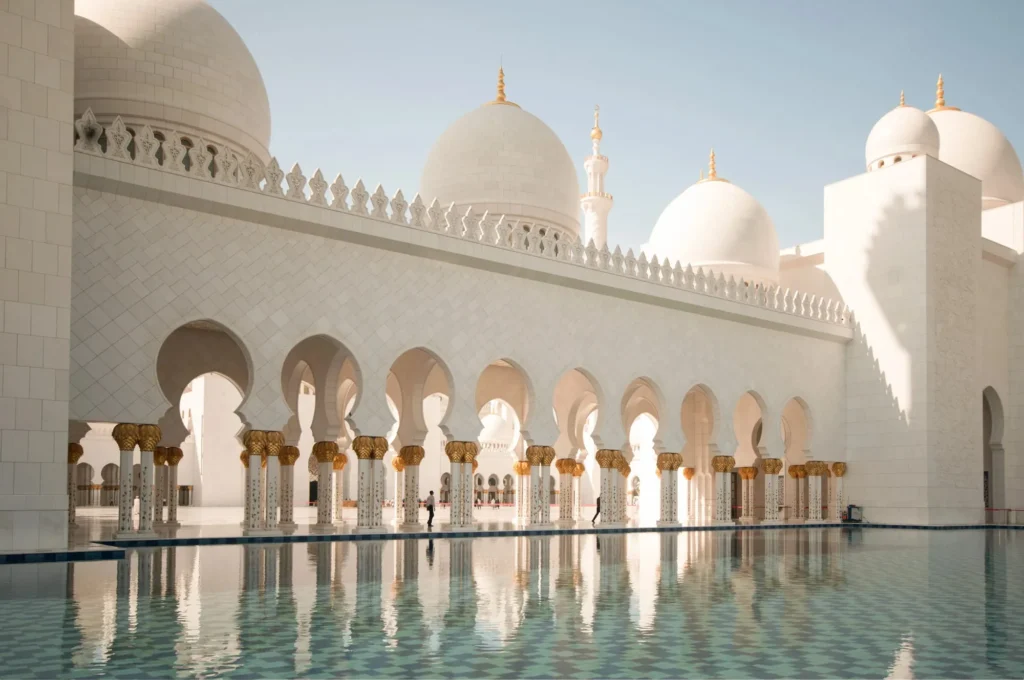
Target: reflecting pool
833	602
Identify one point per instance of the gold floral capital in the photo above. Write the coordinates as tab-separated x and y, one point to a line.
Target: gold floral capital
521	467
255	442
288	455
380	448
666	461
624	469
606	457
536	454
455	451
772	466
470	450
338	464
244	457
75	452
149	437
839	469
579	470
723	463
410	455
397	464
275	440
689	473
160	455
549	455
326	452
815	468
126	435
363	446
797	471
174	455
565	466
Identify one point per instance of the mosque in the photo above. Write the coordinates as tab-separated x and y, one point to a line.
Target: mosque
183	310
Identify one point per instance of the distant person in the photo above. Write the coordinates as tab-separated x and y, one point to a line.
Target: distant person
430	510
594	521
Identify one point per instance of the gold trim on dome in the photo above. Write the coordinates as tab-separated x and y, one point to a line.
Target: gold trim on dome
712	171
940	97
500	98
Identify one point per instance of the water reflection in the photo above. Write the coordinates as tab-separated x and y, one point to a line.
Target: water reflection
724	603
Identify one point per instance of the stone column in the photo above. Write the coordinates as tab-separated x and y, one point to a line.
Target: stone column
160	481
566	493
606	459
815	469
127	436
469	466
455	451
75	453
723	466
174	456
691	496
255	445
411	457
668	464
149	435
772	467
325	453
797	472
545	484
535	456
275	442
621	483
287	458
399	467
246	501
370	451
577	474
838	472
747	475
522	470
340	461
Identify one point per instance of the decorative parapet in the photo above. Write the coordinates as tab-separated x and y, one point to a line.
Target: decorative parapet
168	151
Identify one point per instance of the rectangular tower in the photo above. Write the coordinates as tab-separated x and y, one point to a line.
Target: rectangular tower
902	246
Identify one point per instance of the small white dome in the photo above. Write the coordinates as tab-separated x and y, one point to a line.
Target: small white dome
715	224
501	159
174	64
975	146
902	133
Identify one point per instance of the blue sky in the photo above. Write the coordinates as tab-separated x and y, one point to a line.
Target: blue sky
786	91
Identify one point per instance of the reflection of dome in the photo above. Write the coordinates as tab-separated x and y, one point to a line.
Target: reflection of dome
501	159
173	64
975	146
715	224
899	135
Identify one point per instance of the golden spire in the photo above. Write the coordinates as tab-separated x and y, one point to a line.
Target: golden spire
940	97
500	98
903	102
595	132
712	170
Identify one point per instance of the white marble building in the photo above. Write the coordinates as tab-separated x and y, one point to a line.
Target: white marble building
153	250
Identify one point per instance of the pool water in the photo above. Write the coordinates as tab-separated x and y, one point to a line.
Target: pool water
834	602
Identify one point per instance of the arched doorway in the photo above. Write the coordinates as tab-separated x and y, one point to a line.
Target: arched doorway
993	475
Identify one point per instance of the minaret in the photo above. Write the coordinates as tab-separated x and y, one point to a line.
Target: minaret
596	203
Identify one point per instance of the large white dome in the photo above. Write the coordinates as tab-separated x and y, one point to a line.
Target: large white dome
901	134
715	224
174	64
501	159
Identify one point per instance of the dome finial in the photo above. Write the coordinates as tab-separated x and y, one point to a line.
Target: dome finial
595	132
500	98
903	102
712	174
940	97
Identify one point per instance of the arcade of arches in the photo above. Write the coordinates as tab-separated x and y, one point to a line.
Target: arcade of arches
204	452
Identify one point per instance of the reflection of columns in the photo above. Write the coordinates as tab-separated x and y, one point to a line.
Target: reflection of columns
723	466
815	470
577	474
126	435
275	442
606	459
370	451
149	435
772	467
75	452
160	477
566	493
409	462
455	452
174	456
338	466
399	467
540	459
838	472
325	453
287	458
798	473
522	470
747	477
255	444
691	496
668	466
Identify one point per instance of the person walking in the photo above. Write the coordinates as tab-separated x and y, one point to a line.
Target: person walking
594	521
430	510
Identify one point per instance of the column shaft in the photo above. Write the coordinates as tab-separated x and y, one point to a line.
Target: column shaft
125	492
468	493
273	490
814	498
172	496
159	490
254	519
566	496
379	476
336	486
288	495
455	498
72	492
325	492
146	491
522	495
411	512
